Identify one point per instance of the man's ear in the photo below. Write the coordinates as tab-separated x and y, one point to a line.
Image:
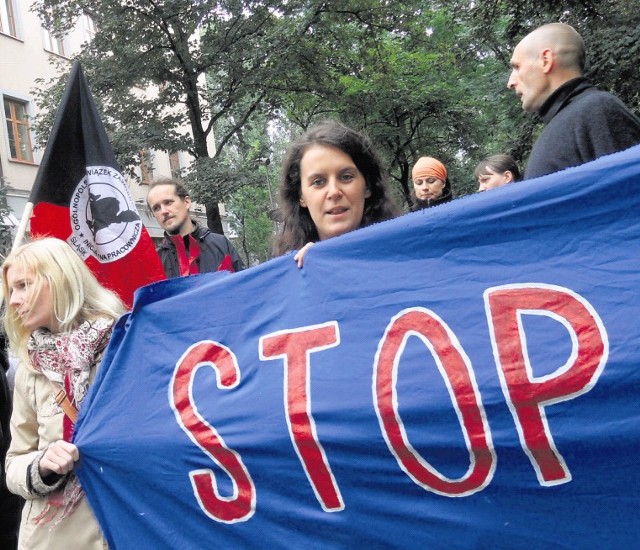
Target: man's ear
548	59
187	201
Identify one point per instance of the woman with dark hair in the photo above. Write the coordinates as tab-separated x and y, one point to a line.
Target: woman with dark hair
431	185
496	171
332	182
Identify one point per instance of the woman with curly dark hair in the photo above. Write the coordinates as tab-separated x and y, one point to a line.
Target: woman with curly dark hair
332	182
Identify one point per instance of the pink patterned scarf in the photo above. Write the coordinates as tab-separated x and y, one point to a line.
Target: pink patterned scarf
66	359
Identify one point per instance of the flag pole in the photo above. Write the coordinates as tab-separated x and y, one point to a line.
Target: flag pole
22	228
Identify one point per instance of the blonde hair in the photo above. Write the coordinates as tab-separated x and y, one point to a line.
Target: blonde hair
75	294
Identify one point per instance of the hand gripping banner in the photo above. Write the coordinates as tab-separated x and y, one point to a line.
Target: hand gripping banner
463	376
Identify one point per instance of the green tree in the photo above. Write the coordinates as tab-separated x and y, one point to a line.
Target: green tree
249	220
247	169
421	78
611	31
397	76
210	63
6	238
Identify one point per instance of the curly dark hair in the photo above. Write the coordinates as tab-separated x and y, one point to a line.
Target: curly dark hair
298	227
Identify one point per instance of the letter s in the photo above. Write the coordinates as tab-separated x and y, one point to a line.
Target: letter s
241	505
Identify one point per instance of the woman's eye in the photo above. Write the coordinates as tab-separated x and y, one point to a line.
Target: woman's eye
317	182
347	177
17	287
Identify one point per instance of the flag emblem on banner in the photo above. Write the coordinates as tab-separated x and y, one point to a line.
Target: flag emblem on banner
104	219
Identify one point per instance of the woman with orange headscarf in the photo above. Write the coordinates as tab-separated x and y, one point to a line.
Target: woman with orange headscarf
431	185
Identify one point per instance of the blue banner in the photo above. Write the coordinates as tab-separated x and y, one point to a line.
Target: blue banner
466	375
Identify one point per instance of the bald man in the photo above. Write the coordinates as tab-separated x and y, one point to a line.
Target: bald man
582	123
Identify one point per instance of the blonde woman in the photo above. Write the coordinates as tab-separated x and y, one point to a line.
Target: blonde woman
58	320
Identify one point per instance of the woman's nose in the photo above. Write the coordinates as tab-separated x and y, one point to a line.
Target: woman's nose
15	299
334	189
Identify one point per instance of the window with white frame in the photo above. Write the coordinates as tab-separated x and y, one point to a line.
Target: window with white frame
147	162
8	23
174	164
88	27
54	44
18	132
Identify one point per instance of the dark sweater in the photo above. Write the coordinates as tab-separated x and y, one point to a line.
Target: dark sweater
213	249
582	123
10	505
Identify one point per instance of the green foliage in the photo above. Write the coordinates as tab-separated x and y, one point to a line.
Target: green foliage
421	78
249	220
613	45
6	238
209	63
399	78
247	173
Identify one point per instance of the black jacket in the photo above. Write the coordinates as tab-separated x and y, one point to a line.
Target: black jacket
582	124
213	249
10	504
447	195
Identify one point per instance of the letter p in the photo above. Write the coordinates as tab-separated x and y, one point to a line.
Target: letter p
527	395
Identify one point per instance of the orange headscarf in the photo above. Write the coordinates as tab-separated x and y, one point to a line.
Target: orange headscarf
427	167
